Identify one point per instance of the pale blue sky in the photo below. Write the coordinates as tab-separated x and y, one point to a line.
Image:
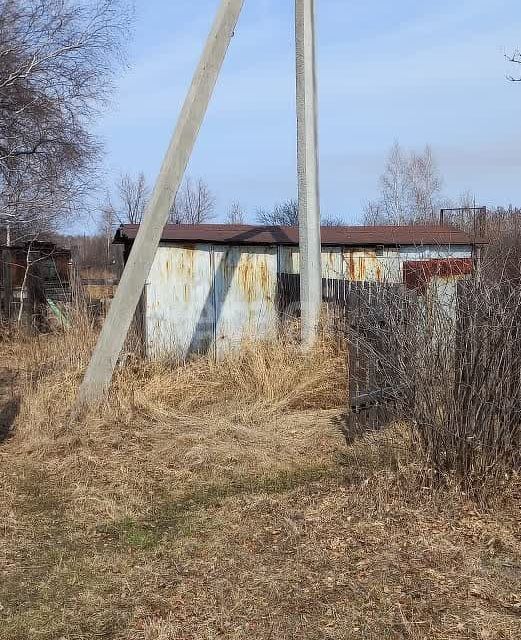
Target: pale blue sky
413	71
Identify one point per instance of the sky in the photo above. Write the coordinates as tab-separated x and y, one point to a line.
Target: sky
416	72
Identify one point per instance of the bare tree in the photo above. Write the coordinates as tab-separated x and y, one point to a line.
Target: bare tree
332	221
286	214
108	220
107	227
57	63
133	194
194	203
410	189
235	214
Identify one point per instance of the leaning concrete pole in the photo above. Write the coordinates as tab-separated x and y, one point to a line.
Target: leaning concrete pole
99	373
308	175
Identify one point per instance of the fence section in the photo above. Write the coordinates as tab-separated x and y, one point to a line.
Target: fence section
366	313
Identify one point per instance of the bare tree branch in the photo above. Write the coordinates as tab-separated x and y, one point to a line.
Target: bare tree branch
58	59
514	58
410	189
133	193
286	214
235	214
194	203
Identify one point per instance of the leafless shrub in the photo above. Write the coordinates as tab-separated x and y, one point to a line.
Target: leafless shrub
447	360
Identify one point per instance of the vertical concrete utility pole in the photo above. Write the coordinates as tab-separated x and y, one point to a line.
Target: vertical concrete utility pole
308	174
116	326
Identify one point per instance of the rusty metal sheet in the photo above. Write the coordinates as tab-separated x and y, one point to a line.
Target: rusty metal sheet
288	259
372	265
332	262
245	294
180	310
418	273
361	265
206	297
386	264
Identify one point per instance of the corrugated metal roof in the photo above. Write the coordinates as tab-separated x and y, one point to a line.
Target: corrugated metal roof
345	236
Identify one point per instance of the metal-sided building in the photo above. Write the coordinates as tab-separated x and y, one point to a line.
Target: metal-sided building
211	286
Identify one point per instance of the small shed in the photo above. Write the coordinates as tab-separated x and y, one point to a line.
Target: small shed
211	286
32	276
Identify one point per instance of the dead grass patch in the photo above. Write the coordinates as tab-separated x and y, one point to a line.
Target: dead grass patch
199	503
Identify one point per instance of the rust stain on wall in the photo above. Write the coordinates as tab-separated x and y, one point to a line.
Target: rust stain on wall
352	267
253	276
364	266
265	278
183	269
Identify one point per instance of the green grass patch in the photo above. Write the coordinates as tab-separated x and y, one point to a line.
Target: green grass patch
130	533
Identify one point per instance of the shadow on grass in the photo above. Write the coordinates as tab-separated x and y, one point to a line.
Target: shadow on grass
173	517
8	413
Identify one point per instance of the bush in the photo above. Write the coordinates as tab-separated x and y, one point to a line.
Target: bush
456	373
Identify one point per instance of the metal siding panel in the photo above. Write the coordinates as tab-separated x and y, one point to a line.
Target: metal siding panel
180	313
363	265
391	266
289	260
245	294
332	263
188	307
430	252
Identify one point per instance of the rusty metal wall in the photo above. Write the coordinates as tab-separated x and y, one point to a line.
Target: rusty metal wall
245	295
179	301
332	261
369	264
205	298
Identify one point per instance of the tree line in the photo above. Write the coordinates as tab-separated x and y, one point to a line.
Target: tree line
58	63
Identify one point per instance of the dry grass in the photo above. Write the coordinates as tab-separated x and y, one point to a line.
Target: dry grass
217	500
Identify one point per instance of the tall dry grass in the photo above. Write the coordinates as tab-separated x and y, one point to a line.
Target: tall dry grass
200	421
259	379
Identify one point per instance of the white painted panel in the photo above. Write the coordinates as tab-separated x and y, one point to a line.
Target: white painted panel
246	289
289	260
332	263
180	313
202	297
434	252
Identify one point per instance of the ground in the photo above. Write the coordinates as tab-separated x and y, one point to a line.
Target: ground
141	524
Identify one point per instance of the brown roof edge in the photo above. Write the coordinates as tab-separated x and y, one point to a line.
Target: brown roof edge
332	236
